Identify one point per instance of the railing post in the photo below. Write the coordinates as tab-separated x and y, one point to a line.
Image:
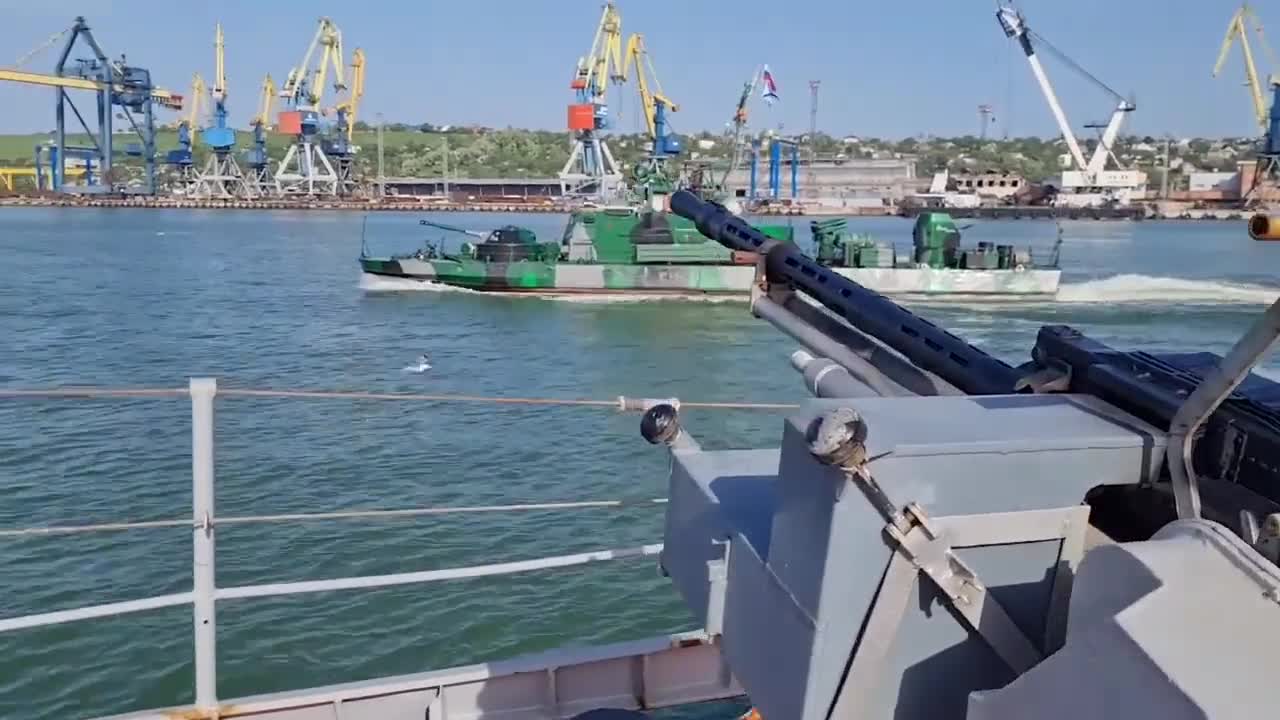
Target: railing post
203	391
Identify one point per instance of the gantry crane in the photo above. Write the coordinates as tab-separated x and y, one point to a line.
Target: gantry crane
1088	183
590	170
305	168
182	159
339	147
221	176
258	160
1238	29
116	85
653	172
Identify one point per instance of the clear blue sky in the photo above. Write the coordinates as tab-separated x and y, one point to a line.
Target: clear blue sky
888	69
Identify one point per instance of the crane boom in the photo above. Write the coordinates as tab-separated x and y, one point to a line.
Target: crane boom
349	108
219	71
263	118
300	89
1237	29
604	63
160	96
638	56
1015	26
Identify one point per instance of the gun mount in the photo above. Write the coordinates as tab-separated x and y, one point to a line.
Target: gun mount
940	534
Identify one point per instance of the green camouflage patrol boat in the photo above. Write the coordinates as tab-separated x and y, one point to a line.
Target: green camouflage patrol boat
640	250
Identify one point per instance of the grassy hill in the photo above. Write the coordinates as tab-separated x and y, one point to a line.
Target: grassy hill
501	153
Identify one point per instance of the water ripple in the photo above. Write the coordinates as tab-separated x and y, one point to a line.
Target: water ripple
275	300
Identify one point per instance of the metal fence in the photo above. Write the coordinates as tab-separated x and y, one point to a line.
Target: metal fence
204	522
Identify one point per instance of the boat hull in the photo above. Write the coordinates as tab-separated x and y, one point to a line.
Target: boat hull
612	279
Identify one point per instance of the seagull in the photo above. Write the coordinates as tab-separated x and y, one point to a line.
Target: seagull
422	366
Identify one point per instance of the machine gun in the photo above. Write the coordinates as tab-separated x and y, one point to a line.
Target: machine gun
1236	416
918	541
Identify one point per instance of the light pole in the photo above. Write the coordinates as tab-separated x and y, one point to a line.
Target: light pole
382	177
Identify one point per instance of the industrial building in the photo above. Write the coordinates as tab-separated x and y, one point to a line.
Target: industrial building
833	182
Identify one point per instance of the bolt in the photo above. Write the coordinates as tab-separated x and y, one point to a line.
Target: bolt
837	438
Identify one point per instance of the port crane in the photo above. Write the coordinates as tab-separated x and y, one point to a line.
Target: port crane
305	168
257	158
591	170
116	85
182	159
652	172
340	148
1088	182
1238	29
739	125
222	176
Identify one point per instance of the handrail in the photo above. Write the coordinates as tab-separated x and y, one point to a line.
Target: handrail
622	402
335	515
203	523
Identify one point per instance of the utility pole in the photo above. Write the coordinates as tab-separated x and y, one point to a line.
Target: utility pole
984	119
382	176
1164	177
812	179
445	150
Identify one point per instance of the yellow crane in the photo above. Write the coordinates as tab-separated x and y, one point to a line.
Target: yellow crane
1238	29
258	161
652	172
198	89
590	169
265	100
652	99
604	63
349	108
305	86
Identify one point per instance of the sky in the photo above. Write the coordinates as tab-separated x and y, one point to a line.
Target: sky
887	69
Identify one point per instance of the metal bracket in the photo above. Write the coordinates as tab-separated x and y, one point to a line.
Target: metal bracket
718	577
927	545
929	551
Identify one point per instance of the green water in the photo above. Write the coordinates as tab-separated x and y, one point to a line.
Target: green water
275	300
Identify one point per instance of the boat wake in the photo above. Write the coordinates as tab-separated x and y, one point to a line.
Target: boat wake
1141	289
594	299
1126	289
381	283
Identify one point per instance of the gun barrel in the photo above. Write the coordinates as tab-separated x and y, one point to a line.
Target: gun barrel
920	341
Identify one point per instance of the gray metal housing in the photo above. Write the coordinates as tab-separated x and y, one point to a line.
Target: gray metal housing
789	562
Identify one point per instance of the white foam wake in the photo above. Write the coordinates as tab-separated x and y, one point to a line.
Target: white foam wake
642	298
382	283
1132	288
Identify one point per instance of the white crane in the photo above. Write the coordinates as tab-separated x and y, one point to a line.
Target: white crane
1088	183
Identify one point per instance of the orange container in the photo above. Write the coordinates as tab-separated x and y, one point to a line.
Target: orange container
582	117
740	257
289	123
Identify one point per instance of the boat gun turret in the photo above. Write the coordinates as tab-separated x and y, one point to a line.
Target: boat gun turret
940	534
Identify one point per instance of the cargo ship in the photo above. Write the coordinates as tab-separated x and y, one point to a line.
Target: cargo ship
647	251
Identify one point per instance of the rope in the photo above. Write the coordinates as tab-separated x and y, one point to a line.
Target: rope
90	392
336	515
620	402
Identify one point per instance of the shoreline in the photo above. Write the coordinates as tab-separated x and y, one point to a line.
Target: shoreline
350	205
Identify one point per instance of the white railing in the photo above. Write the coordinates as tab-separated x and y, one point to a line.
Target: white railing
205	593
